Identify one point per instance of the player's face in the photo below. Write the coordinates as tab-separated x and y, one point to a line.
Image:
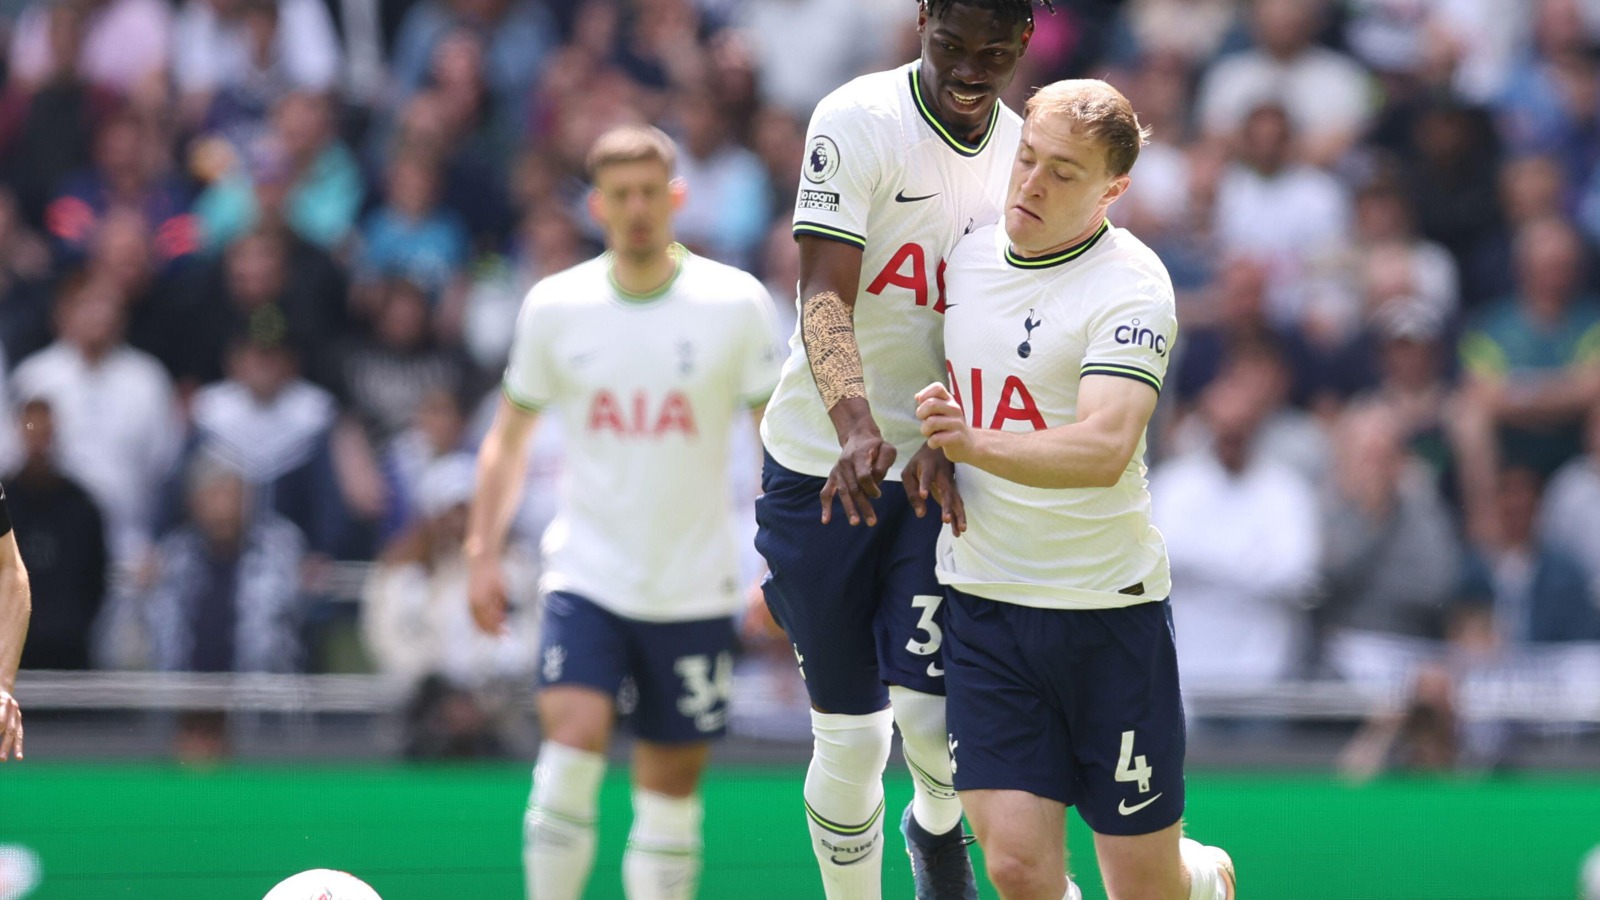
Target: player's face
1060	187
634	203
968	58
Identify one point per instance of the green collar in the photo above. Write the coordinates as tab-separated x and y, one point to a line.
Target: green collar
955	143
1056	259
678	253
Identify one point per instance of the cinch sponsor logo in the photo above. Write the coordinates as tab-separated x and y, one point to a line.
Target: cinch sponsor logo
824	200
1132	333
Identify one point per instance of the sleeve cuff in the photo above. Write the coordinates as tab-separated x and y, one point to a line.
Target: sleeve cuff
521	403
812	229
1121	371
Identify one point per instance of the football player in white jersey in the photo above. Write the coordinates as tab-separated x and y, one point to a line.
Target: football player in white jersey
1059	656
650	356
898	165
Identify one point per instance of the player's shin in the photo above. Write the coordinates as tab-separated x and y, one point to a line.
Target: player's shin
844	801
558	834
663	859
924	740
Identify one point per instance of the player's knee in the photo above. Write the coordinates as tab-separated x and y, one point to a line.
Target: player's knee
852	748
1016	872
579	735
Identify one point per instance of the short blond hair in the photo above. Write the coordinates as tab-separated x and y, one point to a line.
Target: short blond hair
631	143
1098	111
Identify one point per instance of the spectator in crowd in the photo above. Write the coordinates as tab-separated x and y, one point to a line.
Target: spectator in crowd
226	590
122	253
1192	32
275	428
24	292
1523	589
124	47
1294	217
412	237
437	431
1571	516
131	170
1391	562
1325	94
414	610
1551	105
518	36
1450	162
1422	735
844	39
47	125
268	278
1533	360
304	160
1384	224
725	212
548	241
387	371
116	423
436	126
1244	538
234	59
1259	369
63	541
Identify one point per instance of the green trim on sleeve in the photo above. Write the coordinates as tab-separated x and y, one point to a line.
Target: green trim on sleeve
832	234
519	402
1121	371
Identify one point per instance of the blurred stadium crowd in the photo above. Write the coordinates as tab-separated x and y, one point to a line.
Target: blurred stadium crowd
259	261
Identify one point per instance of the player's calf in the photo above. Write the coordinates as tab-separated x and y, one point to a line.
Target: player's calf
844	801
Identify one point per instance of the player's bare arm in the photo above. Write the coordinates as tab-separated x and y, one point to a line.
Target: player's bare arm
502	467
16	607
1094	451
830	274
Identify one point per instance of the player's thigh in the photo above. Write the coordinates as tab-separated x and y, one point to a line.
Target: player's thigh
1142	867
583	660
821	588
1018	830
1128	733
1005	735
684	675
671	769
909	624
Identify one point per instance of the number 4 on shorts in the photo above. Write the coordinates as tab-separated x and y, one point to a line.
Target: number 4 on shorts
1133	768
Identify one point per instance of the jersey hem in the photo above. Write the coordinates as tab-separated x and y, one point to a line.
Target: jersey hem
1041	596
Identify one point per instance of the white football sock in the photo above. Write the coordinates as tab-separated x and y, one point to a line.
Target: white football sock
1206	881
662	861
1072	891
925	743
844	801
558	829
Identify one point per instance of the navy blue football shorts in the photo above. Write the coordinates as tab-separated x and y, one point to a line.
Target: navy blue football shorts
682	671
860	605
1078	706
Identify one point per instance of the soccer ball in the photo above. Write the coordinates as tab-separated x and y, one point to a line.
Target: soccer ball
322	884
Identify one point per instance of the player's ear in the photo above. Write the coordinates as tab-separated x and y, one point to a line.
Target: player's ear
1119	186
594	207
922	17
1027	35
680	191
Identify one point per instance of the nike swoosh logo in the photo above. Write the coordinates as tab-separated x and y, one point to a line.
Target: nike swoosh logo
902	198
1125	809
934	671
850	862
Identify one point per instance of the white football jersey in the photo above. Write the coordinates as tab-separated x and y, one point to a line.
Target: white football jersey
1019	335
647	390
881	173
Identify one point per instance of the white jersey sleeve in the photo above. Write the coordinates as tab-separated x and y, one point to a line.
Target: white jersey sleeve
531	377
841	170
762	355
1131	336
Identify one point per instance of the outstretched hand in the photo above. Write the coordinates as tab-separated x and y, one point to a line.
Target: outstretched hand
931	473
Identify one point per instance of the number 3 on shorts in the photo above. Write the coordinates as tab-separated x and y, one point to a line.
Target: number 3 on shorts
929	604
705	693
1133	768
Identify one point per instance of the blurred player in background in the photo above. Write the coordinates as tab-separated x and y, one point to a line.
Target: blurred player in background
16	606
898	166
650	355
1059	655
